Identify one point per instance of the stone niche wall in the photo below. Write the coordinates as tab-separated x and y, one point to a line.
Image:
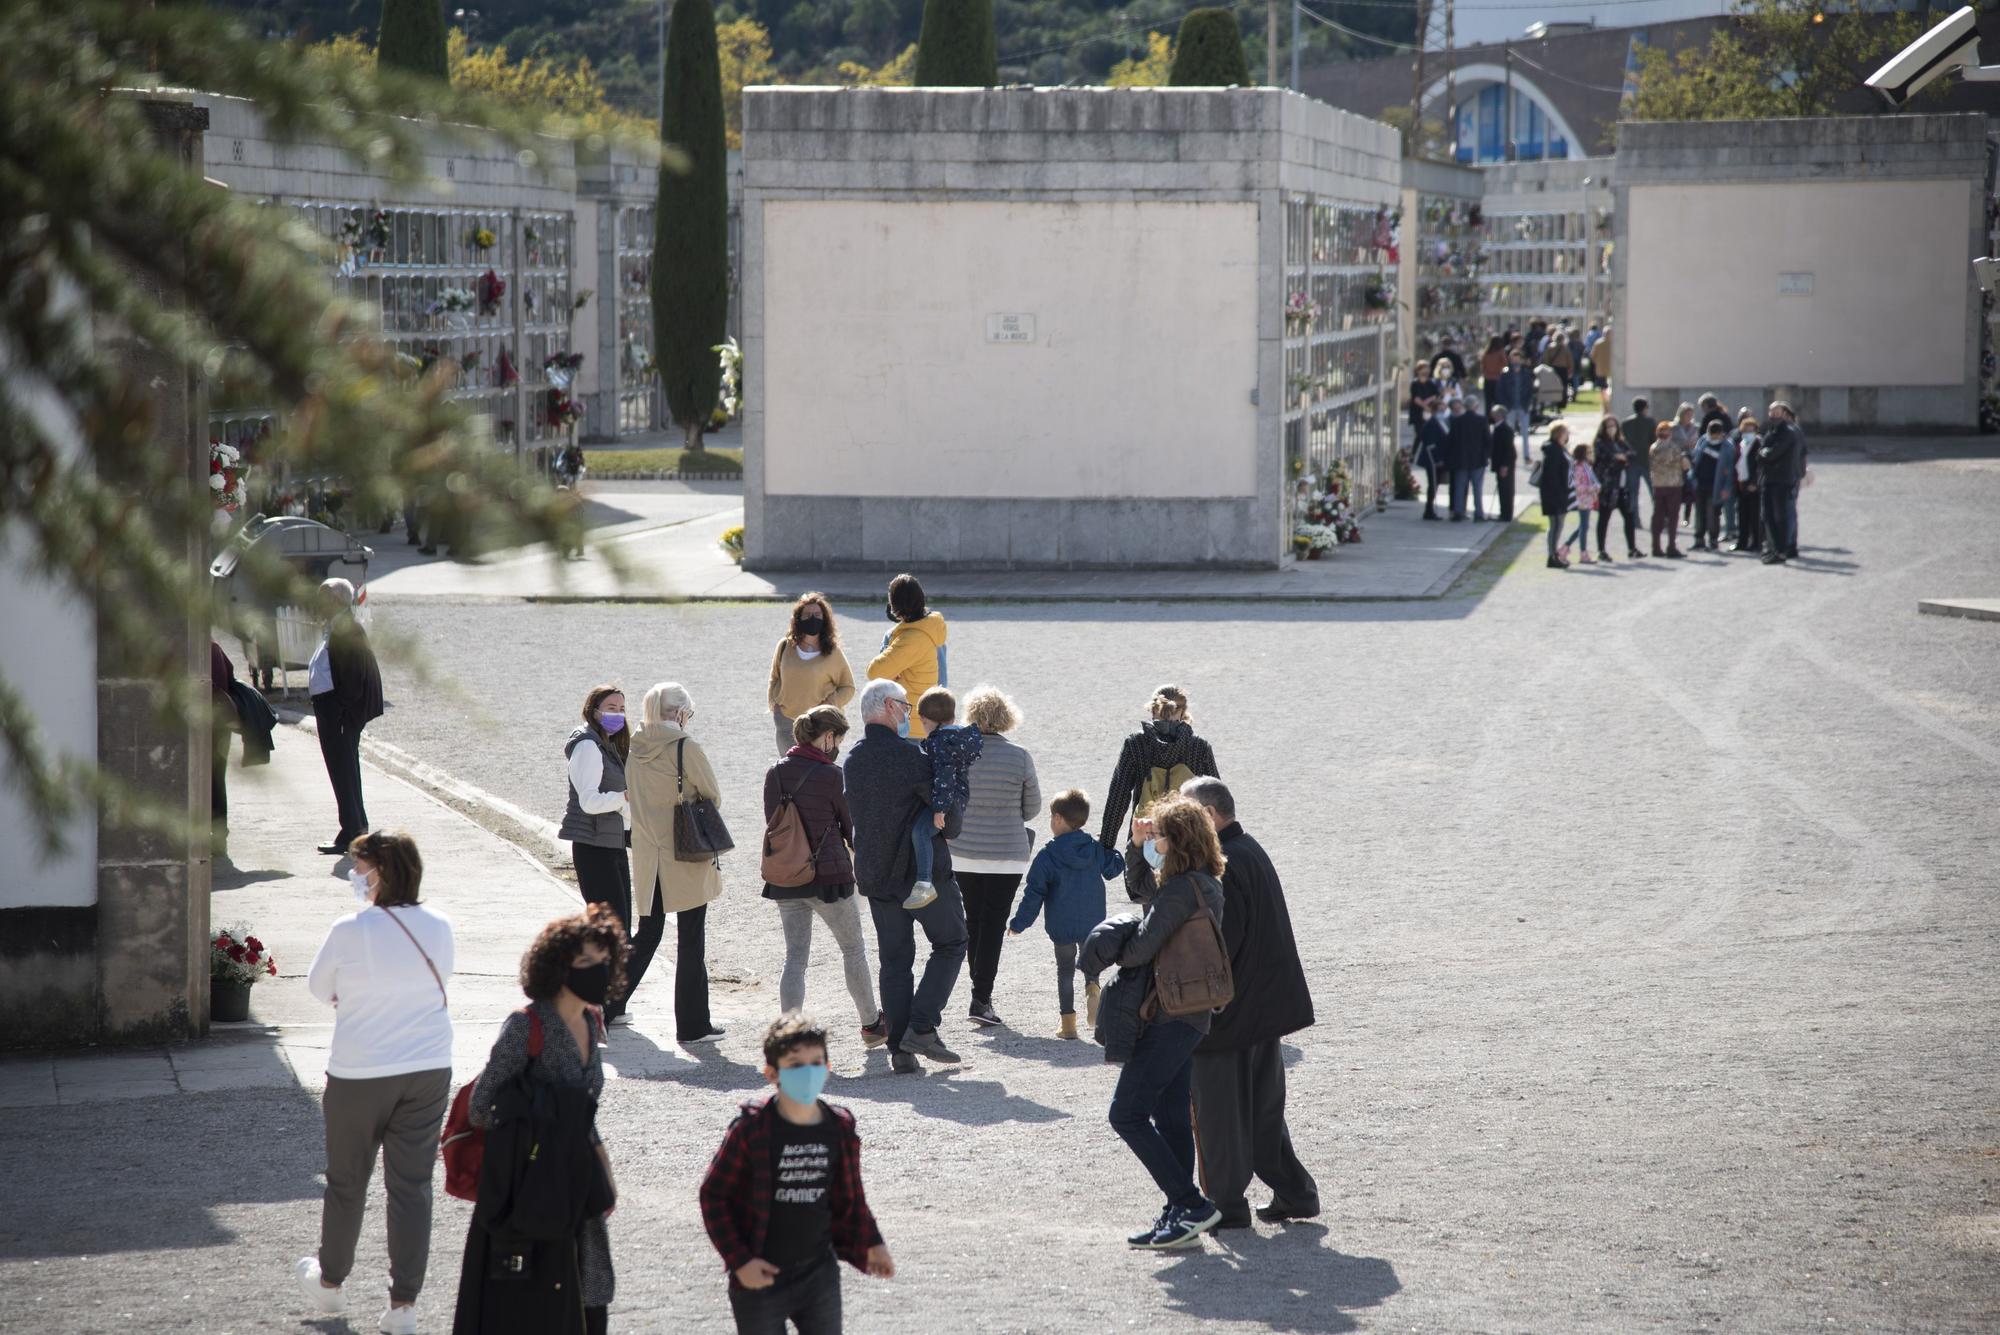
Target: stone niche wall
1827	261
1036	328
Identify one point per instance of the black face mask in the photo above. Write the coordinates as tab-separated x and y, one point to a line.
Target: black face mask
591	982
812	625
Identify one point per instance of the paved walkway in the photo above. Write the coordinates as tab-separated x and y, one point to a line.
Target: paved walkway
672	553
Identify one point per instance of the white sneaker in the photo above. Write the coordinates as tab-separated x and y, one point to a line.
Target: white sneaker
319	1298
398	1321
922	894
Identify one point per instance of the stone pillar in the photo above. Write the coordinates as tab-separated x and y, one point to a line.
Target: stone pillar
152	889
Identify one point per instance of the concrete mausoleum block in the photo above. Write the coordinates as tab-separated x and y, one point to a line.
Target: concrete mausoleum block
1027	328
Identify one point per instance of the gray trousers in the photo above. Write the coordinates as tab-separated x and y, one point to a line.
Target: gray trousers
1239	1126
1066	953
843	919
784	726
396	1116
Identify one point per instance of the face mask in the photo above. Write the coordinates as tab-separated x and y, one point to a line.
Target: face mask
889	610
1154	857
611	722
802	1084
591	982
903	726
364	893
811	625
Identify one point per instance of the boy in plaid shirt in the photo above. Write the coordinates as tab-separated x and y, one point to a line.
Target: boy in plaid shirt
783	1200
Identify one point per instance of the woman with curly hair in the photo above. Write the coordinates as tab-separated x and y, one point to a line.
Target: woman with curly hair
1150	1106
575	967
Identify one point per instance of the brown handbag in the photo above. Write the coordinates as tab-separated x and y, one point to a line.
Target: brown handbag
1191	972
699	834
790	858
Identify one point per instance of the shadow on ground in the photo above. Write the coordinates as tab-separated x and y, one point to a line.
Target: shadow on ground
1298	1282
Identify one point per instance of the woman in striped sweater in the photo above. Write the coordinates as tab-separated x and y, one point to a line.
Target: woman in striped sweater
990	854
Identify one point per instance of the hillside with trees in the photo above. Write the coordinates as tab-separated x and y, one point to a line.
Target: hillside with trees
835	41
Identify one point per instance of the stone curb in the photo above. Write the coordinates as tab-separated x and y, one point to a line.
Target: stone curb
1973	609
534	838
662	475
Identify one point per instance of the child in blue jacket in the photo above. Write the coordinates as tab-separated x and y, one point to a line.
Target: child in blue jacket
1068	876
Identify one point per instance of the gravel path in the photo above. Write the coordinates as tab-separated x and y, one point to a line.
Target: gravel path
1649	912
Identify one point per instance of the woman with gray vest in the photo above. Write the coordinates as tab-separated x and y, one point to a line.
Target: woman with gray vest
595	821
990	854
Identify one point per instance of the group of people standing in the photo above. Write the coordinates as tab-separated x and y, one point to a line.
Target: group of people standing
1733	480
929	797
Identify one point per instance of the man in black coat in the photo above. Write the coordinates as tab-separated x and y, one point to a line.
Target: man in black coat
1471	443
888	785
1784	466
1638	430
1506	458
1239	1069
346	690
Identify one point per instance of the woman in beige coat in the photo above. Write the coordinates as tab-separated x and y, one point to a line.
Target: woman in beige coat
665	768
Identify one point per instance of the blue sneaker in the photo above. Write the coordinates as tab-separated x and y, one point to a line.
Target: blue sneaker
1144	1237
1182	1227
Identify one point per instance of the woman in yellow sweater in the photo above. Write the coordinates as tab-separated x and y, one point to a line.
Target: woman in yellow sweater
913	652
808	668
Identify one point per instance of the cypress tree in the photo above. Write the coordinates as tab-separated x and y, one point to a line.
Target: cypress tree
956	47
1209	53
691	237
412	38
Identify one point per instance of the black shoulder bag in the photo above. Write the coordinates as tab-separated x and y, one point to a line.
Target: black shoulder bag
699	834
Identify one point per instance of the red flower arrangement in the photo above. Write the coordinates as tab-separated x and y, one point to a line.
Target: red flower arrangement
489	289
234	956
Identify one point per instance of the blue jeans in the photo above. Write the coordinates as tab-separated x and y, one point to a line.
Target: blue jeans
943	921
923	836
811	1303
1781	511
1152	1109
1459	477
1477	487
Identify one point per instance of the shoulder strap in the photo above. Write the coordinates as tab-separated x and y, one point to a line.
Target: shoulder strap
534	1032
680	765
444	997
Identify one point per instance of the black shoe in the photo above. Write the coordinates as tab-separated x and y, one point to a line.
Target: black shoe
1676	554
1557	563
1429	515
336	848
1233	1221
1144	1237
982	1013
711	1036
1183	1228
1773	560
1458	519
902	1063
427	550
1278	1213
927	1044
1791	553
1632	554
875	1035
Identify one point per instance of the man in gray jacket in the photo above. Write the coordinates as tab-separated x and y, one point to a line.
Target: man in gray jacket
888	784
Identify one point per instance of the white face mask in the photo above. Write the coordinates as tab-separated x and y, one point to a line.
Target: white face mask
364	893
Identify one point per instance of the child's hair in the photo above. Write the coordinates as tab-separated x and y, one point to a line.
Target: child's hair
789	1032
1663	430
1716	427
1582	452
937	705
1073	807
1749	423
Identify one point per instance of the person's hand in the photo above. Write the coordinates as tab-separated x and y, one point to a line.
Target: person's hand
937	819
1013	931
1142	830
879	1263
757	1273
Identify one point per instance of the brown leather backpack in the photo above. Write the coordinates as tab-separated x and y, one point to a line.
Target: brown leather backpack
790	858
1191	972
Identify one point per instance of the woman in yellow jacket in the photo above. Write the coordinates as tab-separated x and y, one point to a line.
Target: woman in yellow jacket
665	768
913	653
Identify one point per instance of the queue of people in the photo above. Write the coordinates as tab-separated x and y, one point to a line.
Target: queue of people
1204	980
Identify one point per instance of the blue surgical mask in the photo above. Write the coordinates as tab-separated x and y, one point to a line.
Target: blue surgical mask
802	1084
903	725
364	893
1154	857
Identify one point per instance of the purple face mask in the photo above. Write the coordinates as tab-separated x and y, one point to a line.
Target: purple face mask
611	722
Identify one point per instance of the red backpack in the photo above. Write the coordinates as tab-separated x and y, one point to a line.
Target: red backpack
463	1145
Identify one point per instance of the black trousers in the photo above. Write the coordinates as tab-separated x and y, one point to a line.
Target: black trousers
1749	520
810	1303
1239	1127
340	747
1503	483
989	899
1432	474
1627	507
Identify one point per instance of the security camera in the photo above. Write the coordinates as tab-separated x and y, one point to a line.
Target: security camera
1952	44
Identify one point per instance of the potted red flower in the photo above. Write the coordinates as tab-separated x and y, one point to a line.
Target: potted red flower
236	962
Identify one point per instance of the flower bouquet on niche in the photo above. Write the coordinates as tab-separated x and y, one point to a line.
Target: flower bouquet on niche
482	238
237	961
489	289
1406	477
225	475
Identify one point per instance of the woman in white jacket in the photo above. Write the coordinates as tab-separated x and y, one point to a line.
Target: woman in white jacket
388	1073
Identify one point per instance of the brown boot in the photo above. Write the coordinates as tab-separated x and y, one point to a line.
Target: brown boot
1068	1029
1092	994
